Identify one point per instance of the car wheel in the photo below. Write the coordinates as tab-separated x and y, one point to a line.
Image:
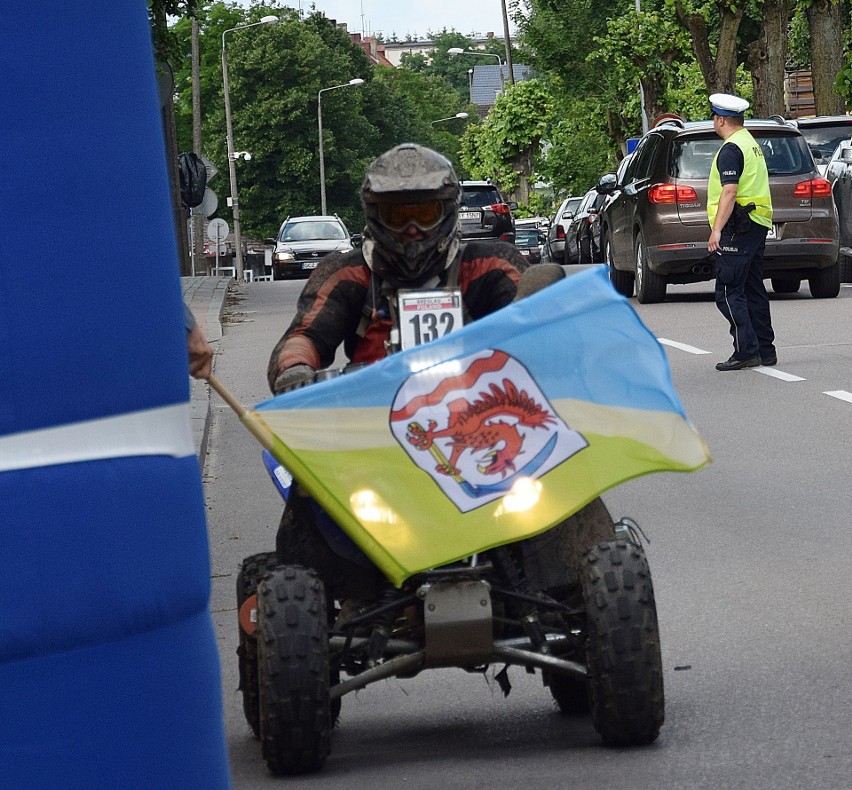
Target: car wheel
825	283
782	285
621	281
650	287
845	269
584	247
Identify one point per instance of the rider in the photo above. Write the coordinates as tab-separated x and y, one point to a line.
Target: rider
411	198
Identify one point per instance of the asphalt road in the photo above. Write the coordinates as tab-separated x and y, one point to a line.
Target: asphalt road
750	559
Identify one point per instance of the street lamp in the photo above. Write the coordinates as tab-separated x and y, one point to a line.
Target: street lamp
352	84
451	118
229	133
460	51
470	85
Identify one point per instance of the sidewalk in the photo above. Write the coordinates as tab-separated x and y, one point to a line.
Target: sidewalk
205	296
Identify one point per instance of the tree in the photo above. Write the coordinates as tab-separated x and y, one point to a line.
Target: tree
505	147
825	20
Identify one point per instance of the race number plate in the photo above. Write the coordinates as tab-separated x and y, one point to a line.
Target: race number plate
309	264
772	233
428	315
469	215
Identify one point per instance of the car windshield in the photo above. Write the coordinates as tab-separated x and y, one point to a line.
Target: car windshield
474	196
823	140
312	231
785	155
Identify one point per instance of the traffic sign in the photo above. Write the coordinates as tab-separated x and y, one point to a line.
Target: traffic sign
218	230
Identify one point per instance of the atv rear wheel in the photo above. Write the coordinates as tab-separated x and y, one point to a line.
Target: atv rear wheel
293	669
252	570
623	647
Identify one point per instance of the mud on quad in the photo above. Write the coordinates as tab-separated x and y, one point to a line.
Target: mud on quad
318	621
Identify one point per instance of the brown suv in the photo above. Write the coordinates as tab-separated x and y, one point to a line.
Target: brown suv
654	227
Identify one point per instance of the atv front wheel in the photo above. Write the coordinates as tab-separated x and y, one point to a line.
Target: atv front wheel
571	694
252	570
624	657
293	671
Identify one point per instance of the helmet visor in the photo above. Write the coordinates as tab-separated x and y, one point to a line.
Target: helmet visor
424	216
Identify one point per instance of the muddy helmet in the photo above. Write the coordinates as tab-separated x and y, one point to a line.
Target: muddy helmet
410	174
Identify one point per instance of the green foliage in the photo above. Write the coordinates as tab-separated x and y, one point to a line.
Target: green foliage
511	135
275	75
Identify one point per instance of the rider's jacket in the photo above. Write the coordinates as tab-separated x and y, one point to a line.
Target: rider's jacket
343	302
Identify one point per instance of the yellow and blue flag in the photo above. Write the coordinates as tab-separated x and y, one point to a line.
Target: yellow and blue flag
493	433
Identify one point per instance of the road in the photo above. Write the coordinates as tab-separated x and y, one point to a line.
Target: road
750	560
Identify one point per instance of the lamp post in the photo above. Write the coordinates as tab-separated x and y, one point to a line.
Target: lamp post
470	85
229	134
451	118
460	51
351	83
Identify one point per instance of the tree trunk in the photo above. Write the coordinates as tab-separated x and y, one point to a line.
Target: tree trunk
825	19
767	57
719	73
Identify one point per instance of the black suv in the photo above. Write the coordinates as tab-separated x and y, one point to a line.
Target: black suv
654	228
484	214
303	242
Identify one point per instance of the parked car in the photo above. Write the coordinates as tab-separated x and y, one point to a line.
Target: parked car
556	231
839	174
654	228
529	242
302	242
823	134
582	234
484	214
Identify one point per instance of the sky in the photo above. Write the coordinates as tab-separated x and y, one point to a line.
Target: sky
412	17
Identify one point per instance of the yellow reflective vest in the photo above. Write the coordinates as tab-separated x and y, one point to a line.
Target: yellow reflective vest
753	186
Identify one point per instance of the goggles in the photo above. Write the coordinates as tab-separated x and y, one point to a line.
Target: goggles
424	216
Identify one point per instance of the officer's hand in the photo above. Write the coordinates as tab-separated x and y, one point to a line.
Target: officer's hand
293	378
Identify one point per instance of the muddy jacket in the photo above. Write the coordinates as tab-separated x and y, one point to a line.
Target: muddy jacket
343	302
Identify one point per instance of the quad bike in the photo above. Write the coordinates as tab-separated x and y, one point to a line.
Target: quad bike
318	620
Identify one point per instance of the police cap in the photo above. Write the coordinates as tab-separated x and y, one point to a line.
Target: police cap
726	104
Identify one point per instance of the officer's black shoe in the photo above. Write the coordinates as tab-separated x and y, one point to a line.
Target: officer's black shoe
738	364
769	361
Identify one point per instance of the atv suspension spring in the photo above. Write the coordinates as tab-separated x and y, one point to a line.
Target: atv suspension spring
513	576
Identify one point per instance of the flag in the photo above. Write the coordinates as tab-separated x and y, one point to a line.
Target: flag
491	434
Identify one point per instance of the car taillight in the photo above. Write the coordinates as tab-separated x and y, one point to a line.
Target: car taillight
814	188
560	232
671	193
500	208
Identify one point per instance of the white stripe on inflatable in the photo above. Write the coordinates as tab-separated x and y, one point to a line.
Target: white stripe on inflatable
161	431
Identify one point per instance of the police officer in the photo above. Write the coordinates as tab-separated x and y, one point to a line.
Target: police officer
739	208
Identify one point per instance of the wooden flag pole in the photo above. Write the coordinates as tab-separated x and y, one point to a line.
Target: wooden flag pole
255	426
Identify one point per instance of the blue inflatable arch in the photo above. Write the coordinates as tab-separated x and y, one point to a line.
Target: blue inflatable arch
109	672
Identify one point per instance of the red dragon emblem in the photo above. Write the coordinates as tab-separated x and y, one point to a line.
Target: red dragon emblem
487	424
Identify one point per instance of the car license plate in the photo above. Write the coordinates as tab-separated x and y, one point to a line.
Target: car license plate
469	215
772	233
309	265
524	252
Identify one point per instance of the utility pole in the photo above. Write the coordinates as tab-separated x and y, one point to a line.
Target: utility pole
508	43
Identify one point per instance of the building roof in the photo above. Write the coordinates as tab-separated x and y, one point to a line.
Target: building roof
488	81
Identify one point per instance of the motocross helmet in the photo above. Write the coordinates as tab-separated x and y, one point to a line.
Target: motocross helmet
410	184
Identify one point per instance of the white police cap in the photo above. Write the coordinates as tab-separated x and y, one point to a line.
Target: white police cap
726	104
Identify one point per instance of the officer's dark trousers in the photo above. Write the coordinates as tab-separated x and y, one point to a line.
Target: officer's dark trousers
740	293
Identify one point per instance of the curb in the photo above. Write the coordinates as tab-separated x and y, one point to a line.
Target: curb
205	297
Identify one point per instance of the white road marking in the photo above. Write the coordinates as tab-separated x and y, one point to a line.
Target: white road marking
777	374
682	346
840	395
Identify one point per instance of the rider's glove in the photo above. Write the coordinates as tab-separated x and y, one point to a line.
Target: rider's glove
293	378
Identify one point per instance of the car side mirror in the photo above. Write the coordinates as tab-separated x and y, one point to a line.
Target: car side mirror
356	237
513	205
270	242
846	155
607	184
